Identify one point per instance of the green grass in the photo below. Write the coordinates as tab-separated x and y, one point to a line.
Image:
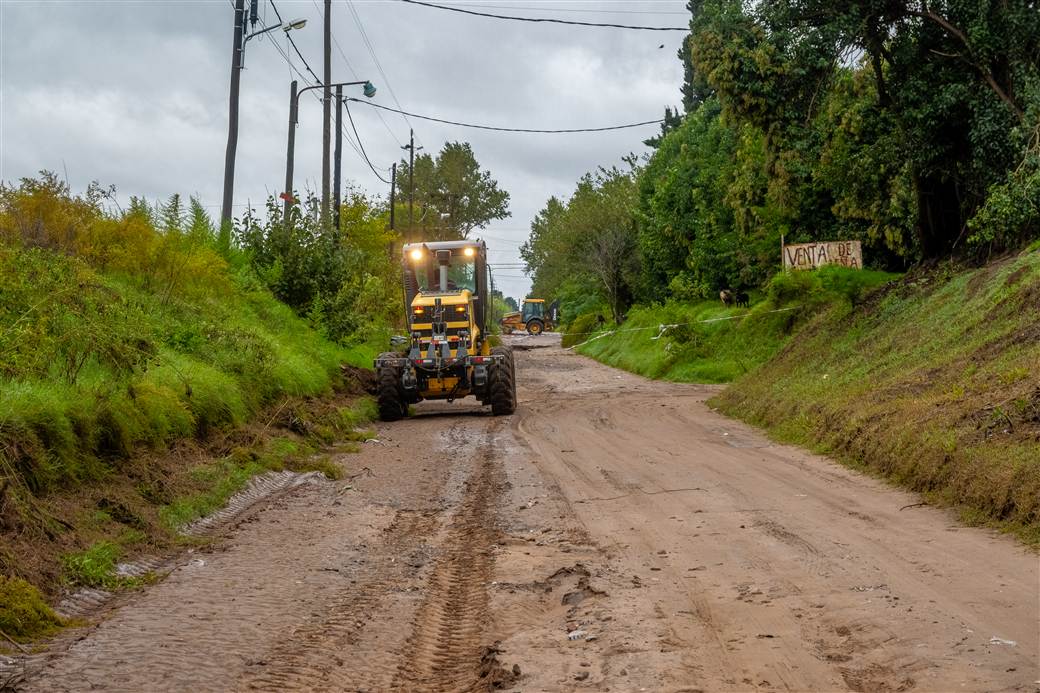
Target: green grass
712	343
932	384
93	376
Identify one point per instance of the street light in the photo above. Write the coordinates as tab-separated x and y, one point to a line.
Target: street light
368	90
237	49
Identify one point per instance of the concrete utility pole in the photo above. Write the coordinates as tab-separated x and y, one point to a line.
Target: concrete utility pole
339	153
393	203
393	194
326	134
232	141
411	174
290	153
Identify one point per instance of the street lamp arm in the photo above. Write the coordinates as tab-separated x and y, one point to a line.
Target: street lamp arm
262	31
337	84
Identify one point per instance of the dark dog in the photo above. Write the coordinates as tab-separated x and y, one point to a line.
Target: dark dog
743	300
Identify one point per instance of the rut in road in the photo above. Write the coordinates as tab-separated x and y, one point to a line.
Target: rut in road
446	651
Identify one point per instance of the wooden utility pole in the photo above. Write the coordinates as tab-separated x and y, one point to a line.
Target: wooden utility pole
326	134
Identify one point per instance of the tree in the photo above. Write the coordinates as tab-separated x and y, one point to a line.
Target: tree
589	241
200	225
453	195
955	82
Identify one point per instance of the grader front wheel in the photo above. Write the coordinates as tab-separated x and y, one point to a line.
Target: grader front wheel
389	396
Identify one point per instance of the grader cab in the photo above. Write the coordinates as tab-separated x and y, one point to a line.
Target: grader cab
447	355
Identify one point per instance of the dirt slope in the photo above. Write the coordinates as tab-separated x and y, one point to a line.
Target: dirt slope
680	549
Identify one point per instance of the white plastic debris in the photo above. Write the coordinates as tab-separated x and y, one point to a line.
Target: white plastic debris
1001	641
576	635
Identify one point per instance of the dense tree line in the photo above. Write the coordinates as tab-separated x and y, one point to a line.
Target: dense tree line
911	126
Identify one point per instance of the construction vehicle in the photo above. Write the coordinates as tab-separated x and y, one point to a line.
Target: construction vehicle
447	354
532	317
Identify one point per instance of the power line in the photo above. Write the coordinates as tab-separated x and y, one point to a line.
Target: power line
356	147
363	152
293	43
546	19
570	9
375	58
500	129
354	72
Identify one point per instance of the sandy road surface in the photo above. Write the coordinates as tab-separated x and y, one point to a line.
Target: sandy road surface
688	552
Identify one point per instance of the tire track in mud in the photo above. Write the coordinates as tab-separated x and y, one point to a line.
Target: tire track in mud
310	657
446	649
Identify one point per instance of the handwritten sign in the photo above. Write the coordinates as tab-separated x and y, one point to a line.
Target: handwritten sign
807	256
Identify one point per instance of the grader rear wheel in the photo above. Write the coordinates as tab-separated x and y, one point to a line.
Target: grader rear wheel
502	383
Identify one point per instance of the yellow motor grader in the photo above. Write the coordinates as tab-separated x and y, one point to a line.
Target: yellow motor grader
447	354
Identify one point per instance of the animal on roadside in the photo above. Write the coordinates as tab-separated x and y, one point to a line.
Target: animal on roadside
726	296
743	300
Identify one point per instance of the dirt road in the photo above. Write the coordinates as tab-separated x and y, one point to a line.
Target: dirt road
615	534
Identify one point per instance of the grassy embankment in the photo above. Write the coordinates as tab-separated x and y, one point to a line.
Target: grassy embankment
143	380
932	382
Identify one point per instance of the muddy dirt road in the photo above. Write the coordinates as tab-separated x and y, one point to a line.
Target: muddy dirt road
615	534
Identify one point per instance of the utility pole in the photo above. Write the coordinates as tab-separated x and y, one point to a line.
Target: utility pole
411	174
290	153
339	153
326	134
393	203
393	194
232	141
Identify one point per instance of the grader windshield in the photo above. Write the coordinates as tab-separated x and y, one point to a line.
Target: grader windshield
460	273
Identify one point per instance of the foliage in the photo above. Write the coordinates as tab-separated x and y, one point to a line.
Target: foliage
590	238
706	341
117	335
344	280
452	195
23	612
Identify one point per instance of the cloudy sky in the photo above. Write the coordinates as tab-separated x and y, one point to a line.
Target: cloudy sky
134	93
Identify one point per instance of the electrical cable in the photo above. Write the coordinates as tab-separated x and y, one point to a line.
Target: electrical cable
278	14
501	129
363	152
375	58
569	9
546	19
354	72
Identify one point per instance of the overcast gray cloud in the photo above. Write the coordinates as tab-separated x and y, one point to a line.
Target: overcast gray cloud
134	93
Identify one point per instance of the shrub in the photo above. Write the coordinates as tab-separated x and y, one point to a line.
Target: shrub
23	612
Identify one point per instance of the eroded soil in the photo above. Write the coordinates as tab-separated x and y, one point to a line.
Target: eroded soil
614	534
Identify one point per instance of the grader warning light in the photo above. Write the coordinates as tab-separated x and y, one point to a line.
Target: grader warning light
448	354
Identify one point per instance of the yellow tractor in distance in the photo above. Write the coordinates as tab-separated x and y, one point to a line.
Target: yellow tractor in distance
447	355
532	317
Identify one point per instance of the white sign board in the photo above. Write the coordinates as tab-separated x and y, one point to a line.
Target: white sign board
807	256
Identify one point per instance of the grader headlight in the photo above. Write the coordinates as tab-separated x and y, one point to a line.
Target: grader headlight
416	254
469	252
